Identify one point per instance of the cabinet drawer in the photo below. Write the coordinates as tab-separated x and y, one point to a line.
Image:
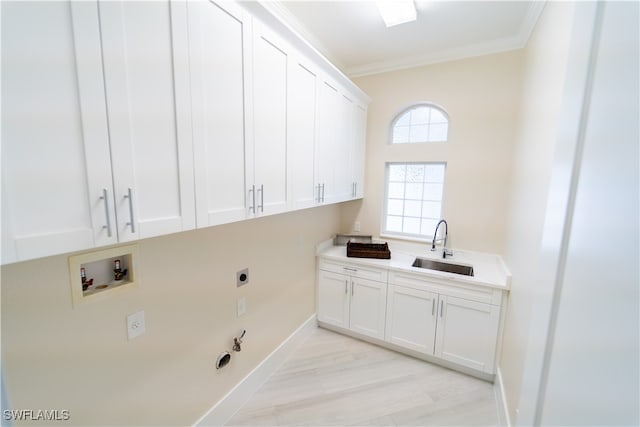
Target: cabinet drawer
364	272
456	289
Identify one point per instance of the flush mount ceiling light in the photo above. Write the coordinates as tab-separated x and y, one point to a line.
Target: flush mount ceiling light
395	12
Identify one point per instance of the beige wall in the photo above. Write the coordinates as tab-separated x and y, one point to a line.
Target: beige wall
545	64
56	356
482	96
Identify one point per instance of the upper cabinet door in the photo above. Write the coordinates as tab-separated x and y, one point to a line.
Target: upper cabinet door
326	149
219	41
343	169
270	63
301	133
55	148
358	150
145	63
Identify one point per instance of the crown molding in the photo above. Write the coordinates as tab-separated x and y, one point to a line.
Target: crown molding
278	10
446	55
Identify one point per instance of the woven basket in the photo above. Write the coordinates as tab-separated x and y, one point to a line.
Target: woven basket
368	250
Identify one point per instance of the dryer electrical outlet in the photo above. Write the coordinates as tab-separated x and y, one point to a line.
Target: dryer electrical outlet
242	277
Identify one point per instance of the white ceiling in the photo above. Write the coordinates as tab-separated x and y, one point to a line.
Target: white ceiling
352	35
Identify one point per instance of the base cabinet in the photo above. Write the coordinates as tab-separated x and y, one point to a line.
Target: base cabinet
411	318
467	333
352	302
456	323
453	329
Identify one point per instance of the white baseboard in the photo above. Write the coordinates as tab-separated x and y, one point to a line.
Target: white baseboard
501	400
222	411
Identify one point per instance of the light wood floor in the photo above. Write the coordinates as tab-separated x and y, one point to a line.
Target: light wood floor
332	379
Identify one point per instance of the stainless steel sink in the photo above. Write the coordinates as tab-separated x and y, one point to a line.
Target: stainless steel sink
429	264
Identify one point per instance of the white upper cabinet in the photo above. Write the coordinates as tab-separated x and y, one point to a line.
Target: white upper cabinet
301	133
340	145
55	151
146	80
124	120
96	125
267	160
219	44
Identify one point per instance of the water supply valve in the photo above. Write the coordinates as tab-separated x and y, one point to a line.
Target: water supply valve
238	340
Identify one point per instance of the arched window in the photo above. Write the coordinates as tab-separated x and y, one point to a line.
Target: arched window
420	123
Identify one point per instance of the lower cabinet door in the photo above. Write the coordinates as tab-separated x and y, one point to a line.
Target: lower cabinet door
411	318
467	332
333	298
368	307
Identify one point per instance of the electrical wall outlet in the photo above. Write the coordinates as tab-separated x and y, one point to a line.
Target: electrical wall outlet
356	226
241	306
135	325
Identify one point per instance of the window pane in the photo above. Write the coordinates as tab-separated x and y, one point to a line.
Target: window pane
419	133
415	173
437	116
419	124
431	210
414	201
394	207
401	134
396	173
420	116
428	226
433	192
413	192
394	223
434	173
404	120
437	133
412	208
396	191
411	225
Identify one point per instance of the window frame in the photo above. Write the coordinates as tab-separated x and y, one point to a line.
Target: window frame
405	110
384	232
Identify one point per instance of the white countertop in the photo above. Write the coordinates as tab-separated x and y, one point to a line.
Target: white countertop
488	269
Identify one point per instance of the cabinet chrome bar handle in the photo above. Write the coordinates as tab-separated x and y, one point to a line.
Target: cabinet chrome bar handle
346	286
433	306
106	211
261	205
352	288
350	269
129	196
441	302
322	193
252	199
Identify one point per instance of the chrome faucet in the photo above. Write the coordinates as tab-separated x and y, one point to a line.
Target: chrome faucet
445	251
